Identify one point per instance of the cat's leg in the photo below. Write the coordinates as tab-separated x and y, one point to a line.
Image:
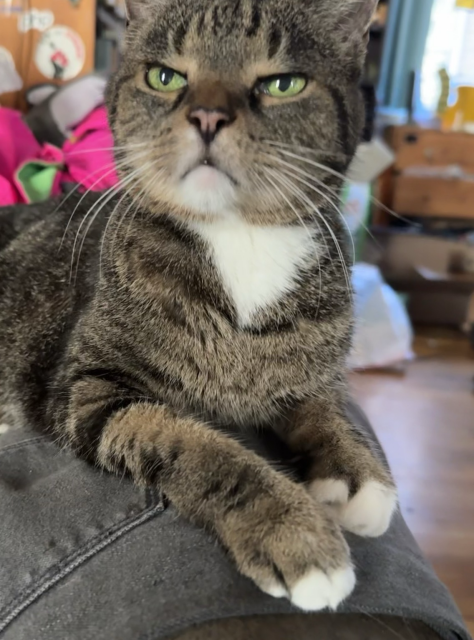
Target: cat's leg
346	471
277	534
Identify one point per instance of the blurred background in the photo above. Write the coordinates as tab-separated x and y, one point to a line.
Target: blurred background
408	205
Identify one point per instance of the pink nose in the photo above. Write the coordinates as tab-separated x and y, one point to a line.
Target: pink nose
209	122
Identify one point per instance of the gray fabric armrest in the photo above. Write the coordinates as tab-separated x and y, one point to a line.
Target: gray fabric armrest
86	555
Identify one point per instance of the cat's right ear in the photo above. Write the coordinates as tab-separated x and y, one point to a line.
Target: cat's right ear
137	9
356	17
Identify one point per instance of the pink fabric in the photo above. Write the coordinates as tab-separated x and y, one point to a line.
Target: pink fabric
17	145
86	158
88	153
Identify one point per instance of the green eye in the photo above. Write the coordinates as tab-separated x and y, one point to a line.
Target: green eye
165	80
285	86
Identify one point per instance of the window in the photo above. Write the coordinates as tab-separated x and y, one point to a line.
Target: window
450	45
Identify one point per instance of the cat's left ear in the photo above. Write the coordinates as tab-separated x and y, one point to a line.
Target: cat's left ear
357	17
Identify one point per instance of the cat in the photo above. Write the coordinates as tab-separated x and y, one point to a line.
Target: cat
212	290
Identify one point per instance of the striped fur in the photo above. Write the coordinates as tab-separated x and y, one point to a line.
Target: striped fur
123	338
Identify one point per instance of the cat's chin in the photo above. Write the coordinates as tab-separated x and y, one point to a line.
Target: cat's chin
207	191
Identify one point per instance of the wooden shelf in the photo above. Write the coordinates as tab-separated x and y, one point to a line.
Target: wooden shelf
434	197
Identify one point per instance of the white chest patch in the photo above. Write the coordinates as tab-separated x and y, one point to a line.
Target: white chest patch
258	265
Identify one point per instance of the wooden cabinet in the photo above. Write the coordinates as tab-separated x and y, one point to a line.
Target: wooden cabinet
434	197
433	174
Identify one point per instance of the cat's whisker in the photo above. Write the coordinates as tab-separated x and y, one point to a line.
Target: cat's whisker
134	199
84	195
331	202
311	210
381	205
112	190
104	234
113	167
267	170
137	200
154	178
298	151
122	148
103	201
284	147
382	624
334	192
299	193
298	214
337	174
321	184
274	187
110	218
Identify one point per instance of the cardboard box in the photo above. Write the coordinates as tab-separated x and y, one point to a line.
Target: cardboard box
427	268
43	41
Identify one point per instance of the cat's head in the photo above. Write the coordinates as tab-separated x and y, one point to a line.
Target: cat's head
227	107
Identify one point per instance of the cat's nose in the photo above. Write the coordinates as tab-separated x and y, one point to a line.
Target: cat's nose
209	122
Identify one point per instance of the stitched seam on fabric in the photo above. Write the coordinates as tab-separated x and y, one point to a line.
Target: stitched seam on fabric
72	562
23	443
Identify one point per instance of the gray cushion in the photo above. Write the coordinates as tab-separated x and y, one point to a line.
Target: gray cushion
86	555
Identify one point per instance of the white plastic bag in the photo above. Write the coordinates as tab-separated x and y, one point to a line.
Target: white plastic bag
384	334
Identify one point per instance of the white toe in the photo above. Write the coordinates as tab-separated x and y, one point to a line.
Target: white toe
276	590
370	512
317	591
343	582
330	491
311	593
4	428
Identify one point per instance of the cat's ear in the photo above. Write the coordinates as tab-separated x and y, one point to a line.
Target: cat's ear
357	16
139	9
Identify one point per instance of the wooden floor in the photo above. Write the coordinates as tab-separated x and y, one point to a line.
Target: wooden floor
425	420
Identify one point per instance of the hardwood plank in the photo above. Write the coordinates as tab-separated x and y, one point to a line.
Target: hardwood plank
470	626
425	421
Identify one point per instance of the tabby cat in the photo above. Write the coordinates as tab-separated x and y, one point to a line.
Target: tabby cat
212	290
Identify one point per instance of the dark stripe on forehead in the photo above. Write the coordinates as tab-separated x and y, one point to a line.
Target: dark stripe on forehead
158	39
226	17
180	36
255	20
201	21
236	11
342	117
274	41
216	22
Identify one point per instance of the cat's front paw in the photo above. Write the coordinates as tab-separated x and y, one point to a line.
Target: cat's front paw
318	590
368	513
294	551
